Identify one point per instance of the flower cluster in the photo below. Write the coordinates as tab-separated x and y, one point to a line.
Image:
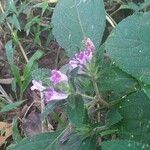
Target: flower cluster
81	60
50	93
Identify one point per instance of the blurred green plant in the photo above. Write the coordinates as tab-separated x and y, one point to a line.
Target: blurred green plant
108	104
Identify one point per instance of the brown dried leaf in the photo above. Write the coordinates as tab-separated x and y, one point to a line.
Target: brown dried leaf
6	131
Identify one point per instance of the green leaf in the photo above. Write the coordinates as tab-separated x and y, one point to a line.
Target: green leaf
115	83
11	6
38	142
11	106
16	135
16	74
42	74
73	142
123	145
129	44
74	20
75	110
88	144
108	132
50	107
113	117
9	52
78	141
28	26
145	4
147	90
130	5
42	5
3	16
135	124
29	68
15	22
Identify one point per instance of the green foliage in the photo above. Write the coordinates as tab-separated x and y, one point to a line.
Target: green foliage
11	106
118	75
76	111
135	124
51	106
41	74
85	19
24	80
123	145
38	142
129	46
113	117
115	83
16	133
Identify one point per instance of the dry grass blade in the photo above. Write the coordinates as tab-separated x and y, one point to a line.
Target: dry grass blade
5	96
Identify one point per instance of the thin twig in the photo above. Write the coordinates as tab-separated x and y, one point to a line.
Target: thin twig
28	109
6	81
5	95
85	96
57	57
115	11
110	20
12	32
9	80
42	110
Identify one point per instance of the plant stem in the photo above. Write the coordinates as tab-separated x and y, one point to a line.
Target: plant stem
57	57
110	20
98	96
85	96
12	32
42	109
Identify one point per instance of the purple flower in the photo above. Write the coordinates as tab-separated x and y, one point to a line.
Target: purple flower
89	44
37	85
58	77
74	63
50	94
82	58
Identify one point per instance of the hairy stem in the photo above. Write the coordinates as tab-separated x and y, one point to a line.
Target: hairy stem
98	95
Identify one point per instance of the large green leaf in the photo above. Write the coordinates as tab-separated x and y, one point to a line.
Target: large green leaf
38	142
115	83
123	145
78	141
113	117
74	20
135	124
129	45
76	111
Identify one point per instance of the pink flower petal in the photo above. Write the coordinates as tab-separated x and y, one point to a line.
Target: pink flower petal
50	94
89	44
58	77
88	55
37	85
74	63
82	58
